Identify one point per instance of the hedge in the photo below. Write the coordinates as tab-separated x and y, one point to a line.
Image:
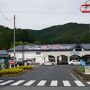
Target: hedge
14	71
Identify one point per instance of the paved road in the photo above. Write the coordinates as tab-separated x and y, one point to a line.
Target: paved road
45	76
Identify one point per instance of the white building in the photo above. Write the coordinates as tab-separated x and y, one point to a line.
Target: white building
59	53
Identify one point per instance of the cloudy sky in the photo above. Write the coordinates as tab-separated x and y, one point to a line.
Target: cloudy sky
38	14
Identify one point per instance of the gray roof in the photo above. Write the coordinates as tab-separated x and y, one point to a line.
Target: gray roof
44	47
3	52
61	47
86	46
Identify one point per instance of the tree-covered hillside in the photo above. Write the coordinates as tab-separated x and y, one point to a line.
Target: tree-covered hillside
67	33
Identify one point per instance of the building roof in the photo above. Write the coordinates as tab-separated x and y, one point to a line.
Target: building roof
86	46
52	47
3	52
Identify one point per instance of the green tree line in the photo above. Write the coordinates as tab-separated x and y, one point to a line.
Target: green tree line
60	34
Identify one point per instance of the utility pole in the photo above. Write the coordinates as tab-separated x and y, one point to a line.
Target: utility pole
14	40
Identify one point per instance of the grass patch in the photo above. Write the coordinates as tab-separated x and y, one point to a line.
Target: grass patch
81	72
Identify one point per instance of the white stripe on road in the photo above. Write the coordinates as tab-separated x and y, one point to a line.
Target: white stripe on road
73	76
1	80
79	83
17	83
29	83
66	83
54	83
88	83
41	83
6	82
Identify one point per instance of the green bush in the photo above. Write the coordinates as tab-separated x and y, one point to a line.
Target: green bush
26	67
11	71
15	71
80	70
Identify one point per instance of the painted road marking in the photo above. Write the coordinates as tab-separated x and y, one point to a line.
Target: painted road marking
54	83
29	83
73	76
79	83
88	83
66	83
6	82
41	83
17	83
1	80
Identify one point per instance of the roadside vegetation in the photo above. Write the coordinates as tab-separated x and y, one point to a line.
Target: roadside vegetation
70	33
15	71
80	71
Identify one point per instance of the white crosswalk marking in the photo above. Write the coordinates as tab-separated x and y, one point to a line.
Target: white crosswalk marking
6	82
41	83
66	83
17	83
88	83
79	83
29	83
54	83
1	80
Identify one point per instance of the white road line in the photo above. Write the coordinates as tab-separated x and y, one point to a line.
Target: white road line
79	83
54	83
6	82
66	83
1	80
29	83
88	83
17	83
74	76
41	83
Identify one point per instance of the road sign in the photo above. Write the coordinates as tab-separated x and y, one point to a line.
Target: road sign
12	62
85	8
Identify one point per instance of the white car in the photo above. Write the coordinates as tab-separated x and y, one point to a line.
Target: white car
48	63
74	62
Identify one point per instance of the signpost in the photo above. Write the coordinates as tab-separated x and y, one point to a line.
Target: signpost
11	62
85	8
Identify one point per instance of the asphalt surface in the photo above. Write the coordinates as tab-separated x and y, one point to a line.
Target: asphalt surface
60	77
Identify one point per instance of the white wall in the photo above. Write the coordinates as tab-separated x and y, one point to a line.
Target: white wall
44	55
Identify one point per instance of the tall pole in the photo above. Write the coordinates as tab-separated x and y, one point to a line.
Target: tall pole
14	39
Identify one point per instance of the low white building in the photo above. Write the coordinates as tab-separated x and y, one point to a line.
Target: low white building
58	53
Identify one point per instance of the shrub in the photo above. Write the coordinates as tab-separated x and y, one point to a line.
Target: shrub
81	72
11	71
25	67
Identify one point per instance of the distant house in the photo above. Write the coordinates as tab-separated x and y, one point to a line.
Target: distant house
4	59
58	53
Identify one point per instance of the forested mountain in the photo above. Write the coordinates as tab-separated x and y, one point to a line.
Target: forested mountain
67	33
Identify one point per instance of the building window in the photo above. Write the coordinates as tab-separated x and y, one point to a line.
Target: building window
78	48
38	53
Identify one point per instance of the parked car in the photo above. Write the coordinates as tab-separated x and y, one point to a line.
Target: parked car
48	63
74	62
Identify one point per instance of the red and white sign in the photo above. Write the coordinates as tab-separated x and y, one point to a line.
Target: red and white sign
11	62
85	8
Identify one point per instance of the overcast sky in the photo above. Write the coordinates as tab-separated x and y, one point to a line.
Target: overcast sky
38	14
